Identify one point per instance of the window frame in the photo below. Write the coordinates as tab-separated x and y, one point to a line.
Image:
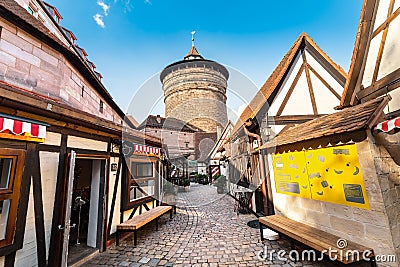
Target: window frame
130	181
12	193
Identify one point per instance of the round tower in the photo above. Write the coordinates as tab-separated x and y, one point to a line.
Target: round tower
195	91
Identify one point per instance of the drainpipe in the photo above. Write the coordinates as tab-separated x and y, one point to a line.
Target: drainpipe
261	165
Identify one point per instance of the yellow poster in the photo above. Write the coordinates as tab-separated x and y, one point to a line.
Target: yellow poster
328	174
291	174
335	176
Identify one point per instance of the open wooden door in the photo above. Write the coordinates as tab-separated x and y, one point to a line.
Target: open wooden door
67	225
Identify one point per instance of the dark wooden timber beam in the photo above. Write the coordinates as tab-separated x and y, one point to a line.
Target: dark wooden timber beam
292	119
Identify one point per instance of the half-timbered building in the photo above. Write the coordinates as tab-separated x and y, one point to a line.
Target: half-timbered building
71	168
305	85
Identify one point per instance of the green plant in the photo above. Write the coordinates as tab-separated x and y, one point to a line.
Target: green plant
202	178
186	182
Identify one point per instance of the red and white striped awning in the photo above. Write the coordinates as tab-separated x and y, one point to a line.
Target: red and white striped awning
21	128
389	125
146	149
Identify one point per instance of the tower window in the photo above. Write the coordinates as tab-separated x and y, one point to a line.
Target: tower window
83	91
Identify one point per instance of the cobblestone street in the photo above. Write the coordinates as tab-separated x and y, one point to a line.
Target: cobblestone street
204	232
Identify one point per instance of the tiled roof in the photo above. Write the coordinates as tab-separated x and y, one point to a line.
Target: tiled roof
359	117
273	81
168	123
132	120
193	53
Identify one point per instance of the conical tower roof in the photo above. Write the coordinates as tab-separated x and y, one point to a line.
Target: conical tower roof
193	54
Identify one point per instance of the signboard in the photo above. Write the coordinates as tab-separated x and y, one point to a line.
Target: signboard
329	174
291	174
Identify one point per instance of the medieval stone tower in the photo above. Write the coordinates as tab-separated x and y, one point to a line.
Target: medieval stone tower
195	91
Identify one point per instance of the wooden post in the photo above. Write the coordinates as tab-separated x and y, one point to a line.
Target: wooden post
39	215
58	217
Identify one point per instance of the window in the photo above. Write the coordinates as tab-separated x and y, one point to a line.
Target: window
140	181
101	109
142	170
32	9
83	92
11	168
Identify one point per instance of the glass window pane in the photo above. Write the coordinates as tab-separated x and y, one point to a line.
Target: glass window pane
5	172
135	193
4	211
144	170
147	186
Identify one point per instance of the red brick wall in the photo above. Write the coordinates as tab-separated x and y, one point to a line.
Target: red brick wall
29	63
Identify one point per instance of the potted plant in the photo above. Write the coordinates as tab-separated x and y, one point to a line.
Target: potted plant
220	183
186	184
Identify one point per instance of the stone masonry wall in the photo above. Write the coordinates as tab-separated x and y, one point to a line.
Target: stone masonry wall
196	95
29	63
371	228
386	153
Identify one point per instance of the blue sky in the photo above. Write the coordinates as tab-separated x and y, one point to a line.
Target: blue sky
140	37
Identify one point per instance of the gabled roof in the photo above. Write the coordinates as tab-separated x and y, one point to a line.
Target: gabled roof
159	122
349	120
272	84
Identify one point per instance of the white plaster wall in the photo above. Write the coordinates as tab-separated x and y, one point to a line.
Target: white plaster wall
325	99
396	5
48	169
299	102
84	143
394	104
27	256
371	60
391	52
53	139
381	13
117	208
286	85
324	74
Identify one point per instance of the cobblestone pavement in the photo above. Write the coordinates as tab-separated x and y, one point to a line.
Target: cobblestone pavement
204	232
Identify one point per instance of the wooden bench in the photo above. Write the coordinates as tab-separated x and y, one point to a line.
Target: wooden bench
317	239
138	221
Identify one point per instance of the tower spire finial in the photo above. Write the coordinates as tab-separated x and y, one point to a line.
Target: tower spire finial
193	32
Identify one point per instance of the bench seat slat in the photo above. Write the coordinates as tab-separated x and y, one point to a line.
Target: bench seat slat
144	218
310	236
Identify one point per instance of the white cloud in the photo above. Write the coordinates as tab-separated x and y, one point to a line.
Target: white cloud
99	20
104	6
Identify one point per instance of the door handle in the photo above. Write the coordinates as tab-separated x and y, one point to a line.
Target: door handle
60	227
